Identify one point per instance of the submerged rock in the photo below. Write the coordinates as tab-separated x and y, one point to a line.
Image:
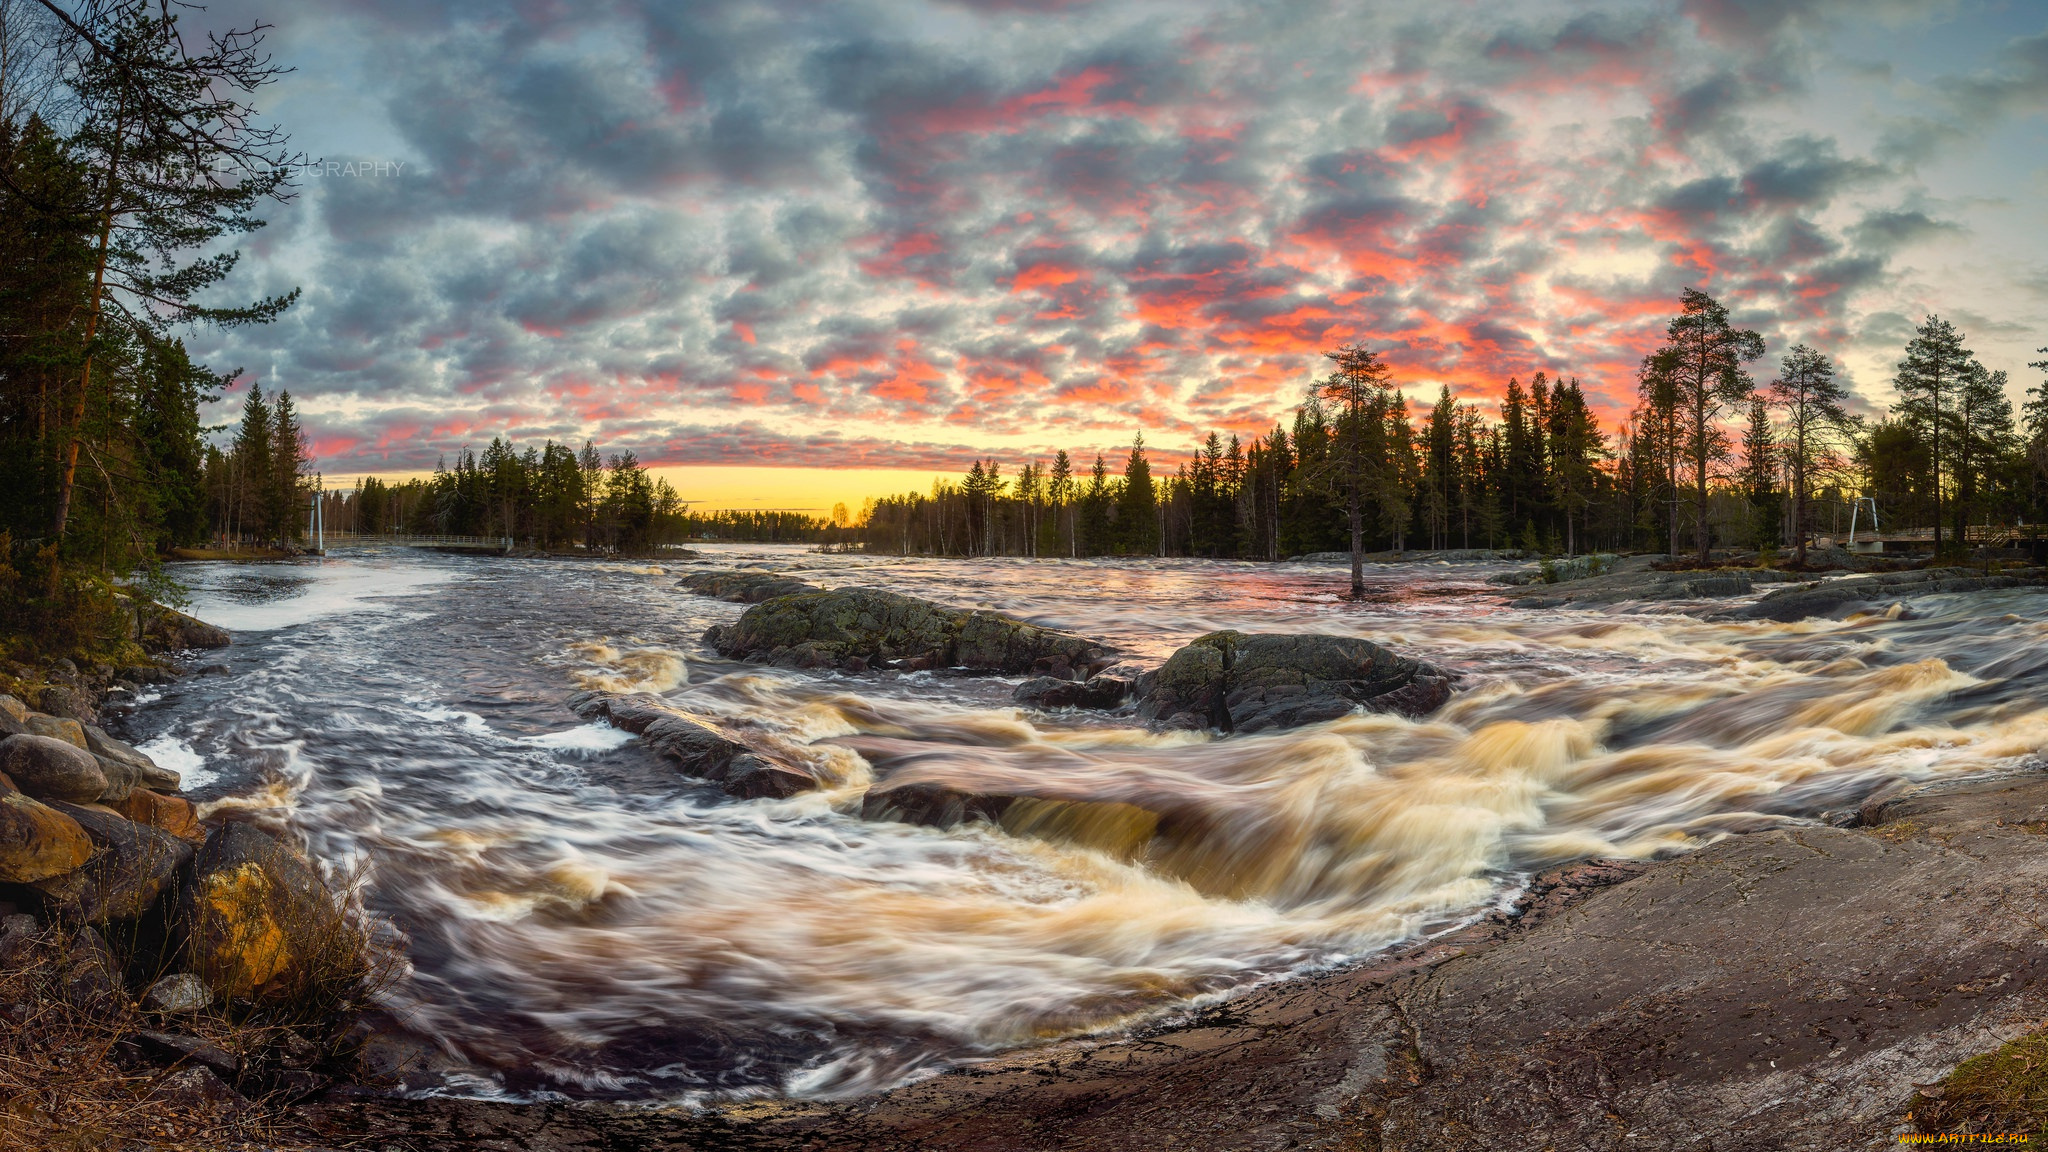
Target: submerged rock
744	585
1649	584
697	748
256	916
1098	692
51	769
131	865
1843	596
1246	683
37	842
865	628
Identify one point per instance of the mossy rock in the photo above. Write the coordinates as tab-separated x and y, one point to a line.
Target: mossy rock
1239	682
256	917
862	628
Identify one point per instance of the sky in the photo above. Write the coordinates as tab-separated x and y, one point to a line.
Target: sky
794	253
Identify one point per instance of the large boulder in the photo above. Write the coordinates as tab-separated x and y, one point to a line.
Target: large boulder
163	630
51	769
1245	683
131	865
37	842
862	628
257	919
56	728
744	585
697	748
173	814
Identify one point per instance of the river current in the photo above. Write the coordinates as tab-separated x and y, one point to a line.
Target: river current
572	917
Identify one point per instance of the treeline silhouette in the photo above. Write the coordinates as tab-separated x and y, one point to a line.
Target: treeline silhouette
1707	458
550	497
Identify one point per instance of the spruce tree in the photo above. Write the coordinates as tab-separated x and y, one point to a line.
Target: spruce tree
1137	505
250	464
288	462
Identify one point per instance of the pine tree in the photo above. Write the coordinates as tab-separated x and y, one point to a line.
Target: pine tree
1927	380
1984	438
1357	466
176	162
252	469
1811	399
1701	364
1094	527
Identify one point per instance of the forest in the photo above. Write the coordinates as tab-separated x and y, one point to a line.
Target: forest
1709	458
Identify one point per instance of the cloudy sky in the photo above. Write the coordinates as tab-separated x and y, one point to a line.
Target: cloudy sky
895	234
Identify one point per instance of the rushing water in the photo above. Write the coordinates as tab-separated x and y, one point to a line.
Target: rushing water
577	918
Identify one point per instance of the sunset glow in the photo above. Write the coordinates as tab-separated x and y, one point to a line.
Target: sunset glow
901	235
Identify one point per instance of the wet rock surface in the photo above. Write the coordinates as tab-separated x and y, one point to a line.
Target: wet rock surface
165	630
254	912
131	865
864	628
1837	598
1650	584
696	747
1239	682
745	585
1783	990
1097	692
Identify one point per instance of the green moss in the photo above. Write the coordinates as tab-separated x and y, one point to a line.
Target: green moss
2001	1091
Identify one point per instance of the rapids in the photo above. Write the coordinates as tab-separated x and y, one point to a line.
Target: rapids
577	919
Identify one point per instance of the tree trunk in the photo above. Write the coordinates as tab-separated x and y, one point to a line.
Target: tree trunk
1357	518
68	475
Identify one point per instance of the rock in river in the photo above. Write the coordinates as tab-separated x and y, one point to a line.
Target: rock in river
744	585
1099	692
1245	683
860	628
698	749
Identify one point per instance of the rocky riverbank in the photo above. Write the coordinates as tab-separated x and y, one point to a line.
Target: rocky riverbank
164	972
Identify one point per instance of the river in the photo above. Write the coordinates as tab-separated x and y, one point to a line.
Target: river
576	919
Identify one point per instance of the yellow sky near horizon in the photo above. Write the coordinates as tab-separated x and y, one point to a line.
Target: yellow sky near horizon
716	487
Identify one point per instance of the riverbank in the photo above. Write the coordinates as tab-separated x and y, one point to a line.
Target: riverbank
1783	990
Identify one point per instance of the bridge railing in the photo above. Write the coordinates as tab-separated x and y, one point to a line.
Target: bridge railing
416	540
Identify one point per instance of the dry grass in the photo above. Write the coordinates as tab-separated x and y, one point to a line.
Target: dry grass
72	1078
2000	1091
